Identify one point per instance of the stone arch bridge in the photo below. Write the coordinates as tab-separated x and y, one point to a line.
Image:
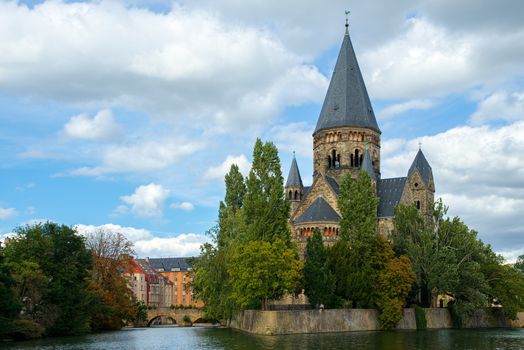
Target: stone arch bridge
175	314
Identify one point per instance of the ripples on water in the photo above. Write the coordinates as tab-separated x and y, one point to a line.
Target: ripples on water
216	338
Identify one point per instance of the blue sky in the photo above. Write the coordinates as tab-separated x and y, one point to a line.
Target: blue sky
126	114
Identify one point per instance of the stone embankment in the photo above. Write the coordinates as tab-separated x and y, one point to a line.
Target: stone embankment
348	320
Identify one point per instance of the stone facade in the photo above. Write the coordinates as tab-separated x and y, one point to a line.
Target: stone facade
347	139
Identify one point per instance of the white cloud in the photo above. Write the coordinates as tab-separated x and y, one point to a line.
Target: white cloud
144	156
147	200
131	233
218	172
7	213
148	245
500	105
102	126
399	108
293	137
186	244
185	65
429	60
478	172
186	206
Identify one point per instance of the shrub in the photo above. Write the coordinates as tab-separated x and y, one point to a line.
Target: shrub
420	318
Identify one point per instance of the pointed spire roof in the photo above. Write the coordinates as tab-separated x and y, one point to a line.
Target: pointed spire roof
367	166
347	102
421	164
294	179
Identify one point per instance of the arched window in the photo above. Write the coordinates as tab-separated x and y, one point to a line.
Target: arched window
418	204
357	158
333	158
337	163
351	162
360	159
290	195
329	161
296	195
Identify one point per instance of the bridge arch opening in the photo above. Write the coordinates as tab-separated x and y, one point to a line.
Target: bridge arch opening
161	320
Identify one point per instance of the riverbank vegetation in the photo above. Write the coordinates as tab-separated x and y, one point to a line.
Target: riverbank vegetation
425	259
55	282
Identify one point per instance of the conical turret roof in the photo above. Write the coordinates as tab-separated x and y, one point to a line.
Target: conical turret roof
367	166
421	164
347	102
294	179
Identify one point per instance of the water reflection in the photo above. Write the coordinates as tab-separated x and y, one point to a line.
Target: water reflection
217	339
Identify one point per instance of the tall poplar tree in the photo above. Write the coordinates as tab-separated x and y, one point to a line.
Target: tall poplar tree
358	206
265	206
319	283
230	216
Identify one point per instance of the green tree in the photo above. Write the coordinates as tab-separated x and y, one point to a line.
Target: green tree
231	221
358	207
9	306
64	260
266	209
261	270
211	282
506	283
319	283
519	264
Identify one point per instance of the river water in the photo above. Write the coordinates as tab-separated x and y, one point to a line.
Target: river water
220	338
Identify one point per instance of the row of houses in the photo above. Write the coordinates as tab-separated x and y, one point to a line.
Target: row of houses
162	282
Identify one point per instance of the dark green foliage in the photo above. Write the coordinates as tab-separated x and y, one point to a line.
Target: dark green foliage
420	318
519	265
456	315
62	257
266	209
319	283
231	223
449	259
358	205
9	306
351	261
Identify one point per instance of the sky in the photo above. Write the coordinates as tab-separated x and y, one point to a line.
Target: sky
125	115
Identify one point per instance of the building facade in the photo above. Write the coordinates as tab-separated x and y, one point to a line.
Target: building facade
347	140
148	286
177	270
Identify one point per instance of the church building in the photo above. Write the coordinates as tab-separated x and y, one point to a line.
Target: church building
347	140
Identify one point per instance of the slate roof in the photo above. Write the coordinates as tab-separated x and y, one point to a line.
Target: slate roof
389	192
421	164
306	190
333	183
367	166
294	179
347	102
319	210
170	264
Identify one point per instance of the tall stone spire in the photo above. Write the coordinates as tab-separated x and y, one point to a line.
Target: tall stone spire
347	102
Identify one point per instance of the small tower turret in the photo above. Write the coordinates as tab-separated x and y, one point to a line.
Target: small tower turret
420	185
367	166
294	186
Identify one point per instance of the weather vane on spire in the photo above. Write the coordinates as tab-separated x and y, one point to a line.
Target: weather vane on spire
347	13
293	154
420	145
